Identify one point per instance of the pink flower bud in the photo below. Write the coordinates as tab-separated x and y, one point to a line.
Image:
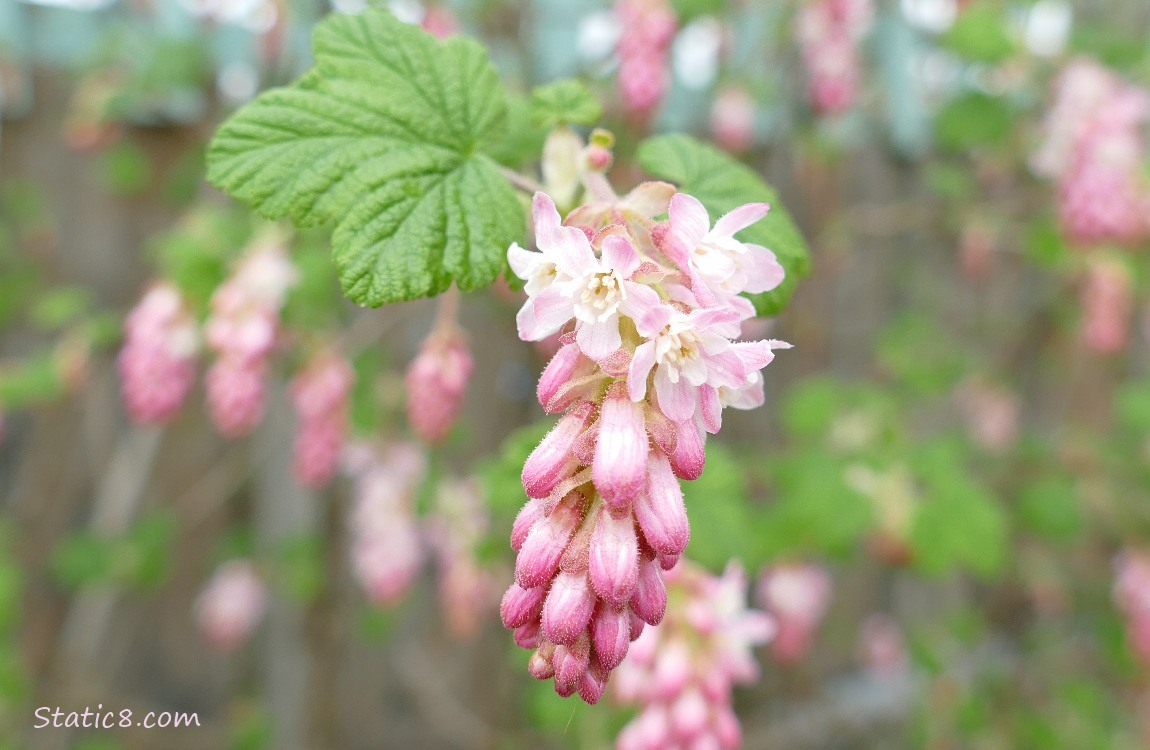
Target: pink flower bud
551	461
649	601
688	458
593	684
637	624
571	663
1107	306
568	364
541	665
660	510
689	715
521	606
672	670
230	607
726	728
529	635
539	556
610	634
437	382
620	465
614	557
528	515
568	608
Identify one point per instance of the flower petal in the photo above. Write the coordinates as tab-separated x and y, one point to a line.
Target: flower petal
763	270
641	365
643	305
676	400
689	220
543	315
739	218
620	254
599	338
650	198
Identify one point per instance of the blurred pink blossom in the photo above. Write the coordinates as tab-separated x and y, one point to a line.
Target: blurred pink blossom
231	606
644	75
386	545
1107	305
319	394
242	330
829	32
797	596
1132	596
158	362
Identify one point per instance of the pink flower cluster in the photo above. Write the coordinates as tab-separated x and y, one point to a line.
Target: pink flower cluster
242	331
1132	595
648	26
1094	148
386	546
437	382
231	606
683	671
158	361
1107	304
467	590
829	32
319	394
646	365
797	595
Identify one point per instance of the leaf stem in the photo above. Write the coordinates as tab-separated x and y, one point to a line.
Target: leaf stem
521	182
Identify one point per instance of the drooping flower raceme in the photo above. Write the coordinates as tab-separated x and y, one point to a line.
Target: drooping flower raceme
319	394
231	606
436	381
158	361
829	32
1093	147
242	330
648	314
386	545
682	672
648	26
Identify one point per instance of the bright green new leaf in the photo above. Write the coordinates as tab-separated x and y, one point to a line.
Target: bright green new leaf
721	183
384	138
565	102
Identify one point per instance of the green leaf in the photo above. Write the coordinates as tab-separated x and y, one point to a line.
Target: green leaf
721	519
383	137
973	120
981	34
564	102
721	183
1049	506
958	523
1132	405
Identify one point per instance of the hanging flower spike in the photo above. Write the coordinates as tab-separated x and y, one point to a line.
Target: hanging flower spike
242	330
682	672
320	394
643	372
829	32
157	364
436	382
231	606
386	548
